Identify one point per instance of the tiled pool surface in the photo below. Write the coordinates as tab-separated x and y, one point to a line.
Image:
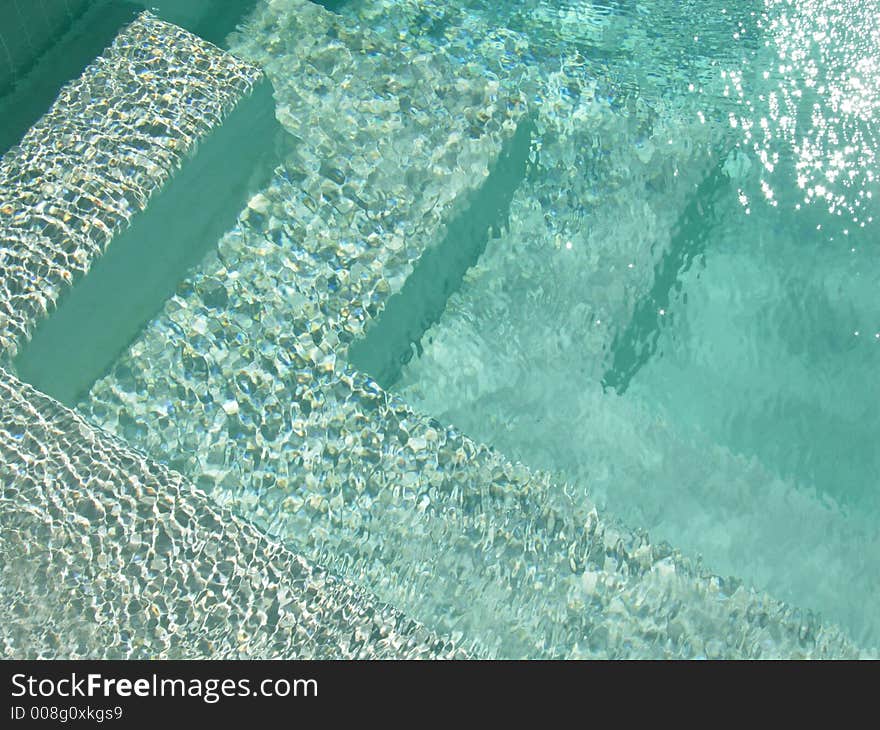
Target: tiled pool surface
277	456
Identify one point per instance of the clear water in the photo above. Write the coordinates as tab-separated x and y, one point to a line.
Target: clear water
669	307
693	339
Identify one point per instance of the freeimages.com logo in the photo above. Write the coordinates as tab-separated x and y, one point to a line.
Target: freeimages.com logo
209	690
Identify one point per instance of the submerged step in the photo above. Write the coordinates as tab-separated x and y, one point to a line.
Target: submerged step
128	285
107	554
391	340
517	361
111	139
577	292
635	343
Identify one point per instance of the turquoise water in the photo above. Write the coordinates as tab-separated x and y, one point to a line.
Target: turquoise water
690	328
657	287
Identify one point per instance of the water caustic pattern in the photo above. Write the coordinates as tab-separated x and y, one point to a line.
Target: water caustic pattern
111	139
396	113
128	560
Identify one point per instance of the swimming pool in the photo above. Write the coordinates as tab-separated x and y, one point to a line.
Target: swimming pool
549	314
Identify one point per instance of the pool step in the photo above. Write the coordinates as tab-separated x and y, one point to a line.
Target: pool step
127	285
576	285
107	554
575	292
240	383
612	167
393	339
90	28
635	344
113	137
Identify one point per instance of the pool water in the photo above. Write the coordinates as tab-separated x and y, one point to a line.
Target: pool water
695	345
628	244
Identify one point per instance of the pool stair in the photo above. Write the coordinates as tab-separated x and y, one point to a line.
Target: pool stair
242	383
112	138
105	553
563	293
246	451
